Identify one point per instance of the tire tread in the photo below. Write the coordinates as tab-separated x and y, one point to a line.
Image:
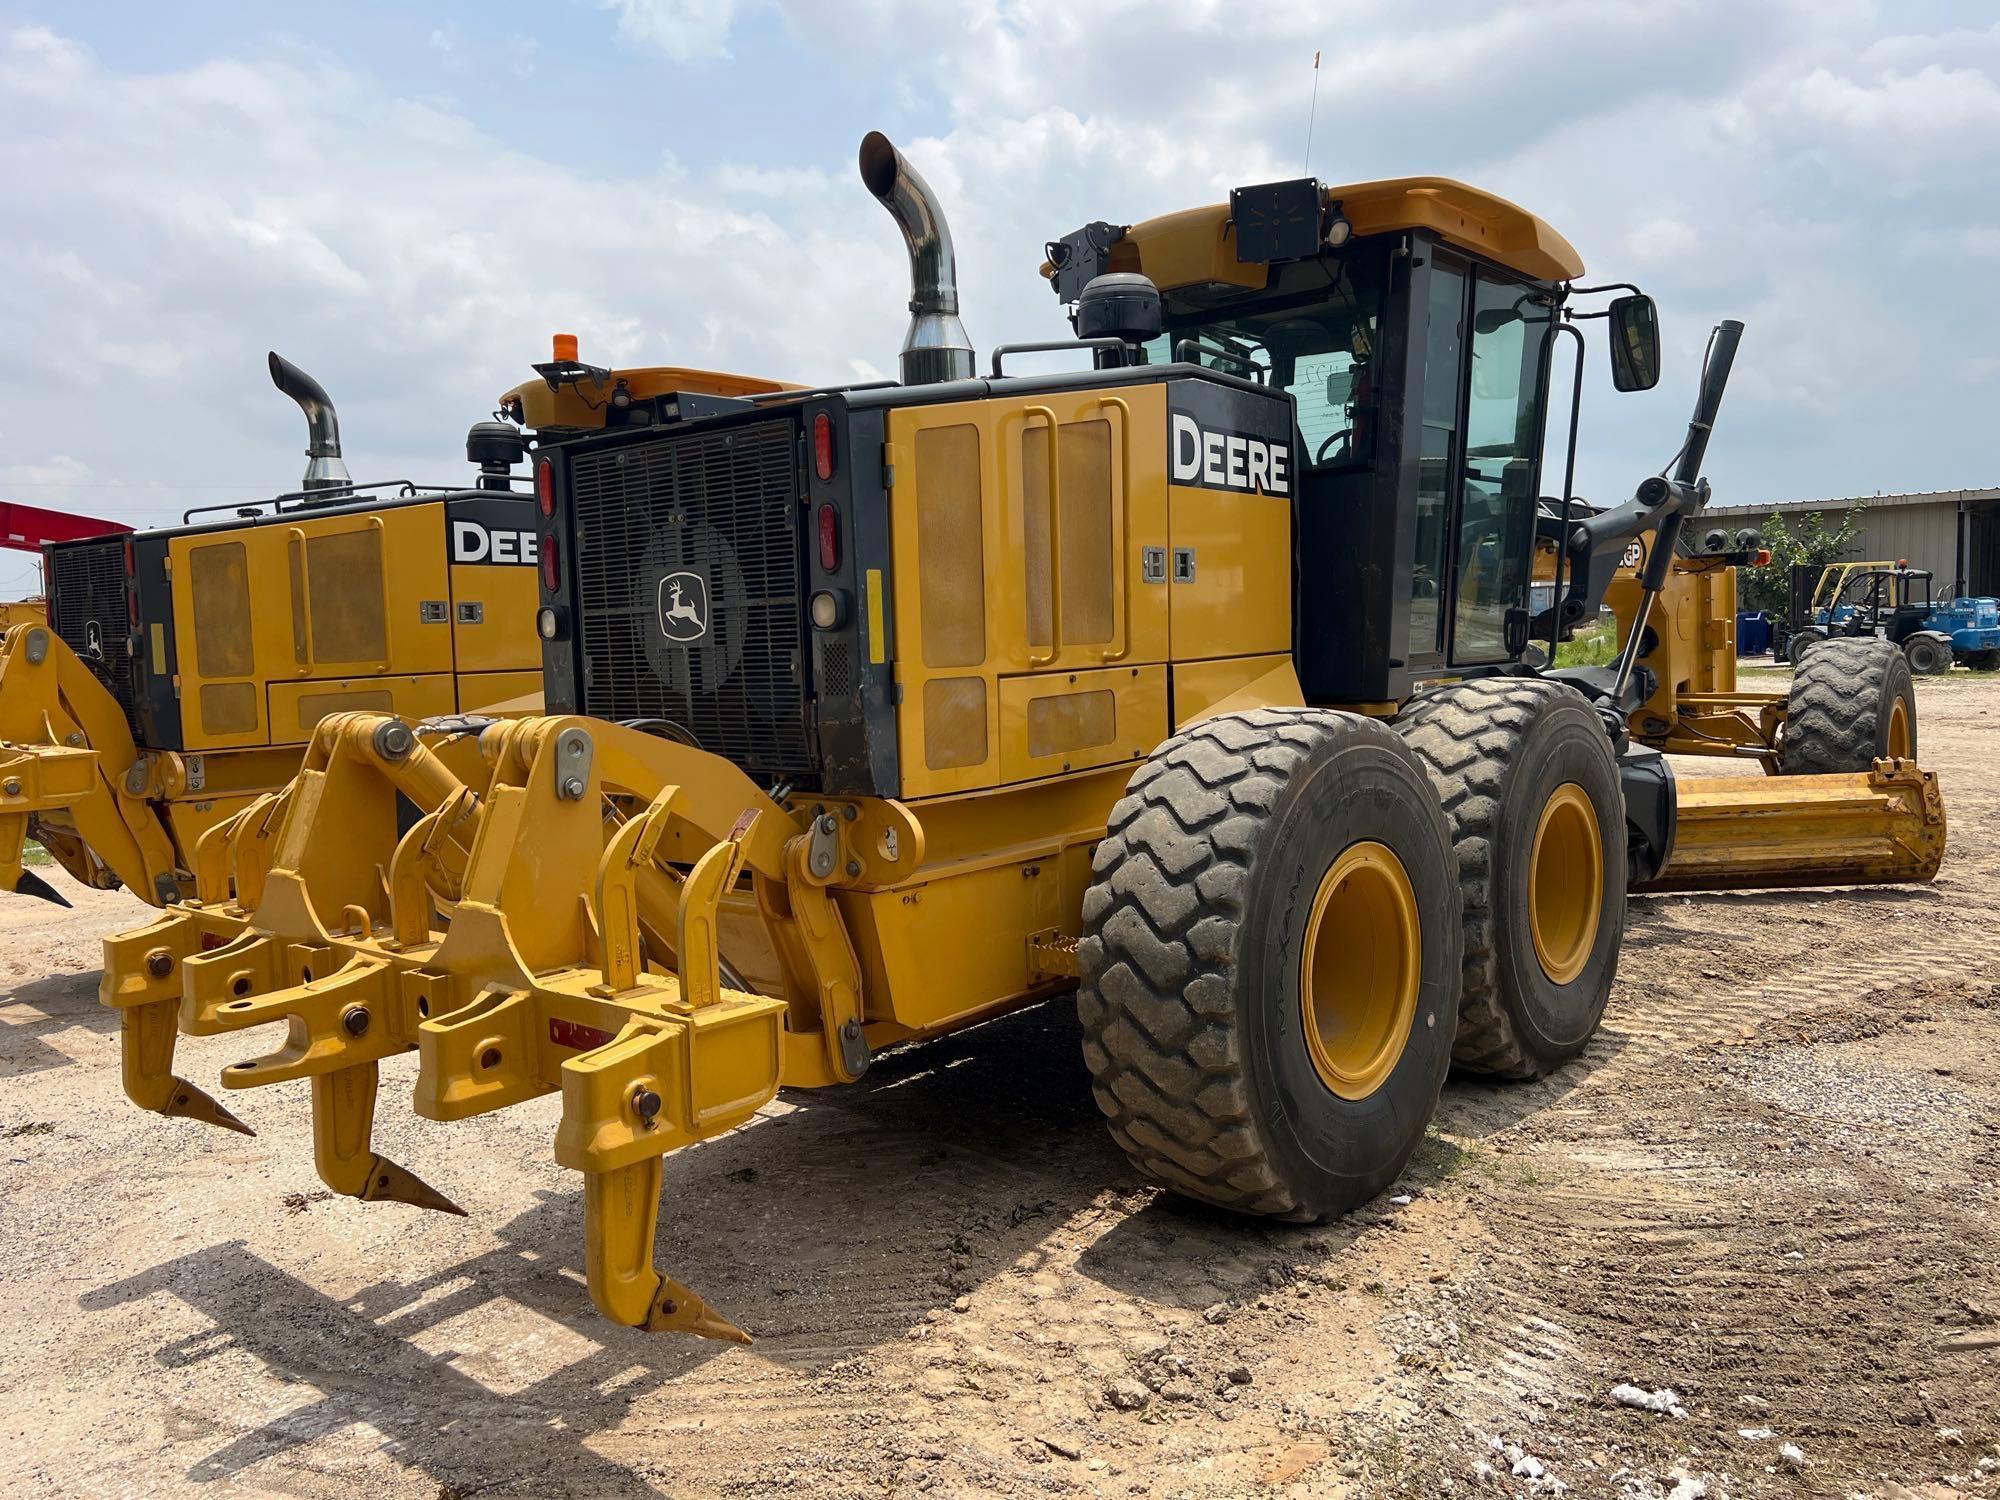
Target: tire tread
1466	734
1157	959
1836	696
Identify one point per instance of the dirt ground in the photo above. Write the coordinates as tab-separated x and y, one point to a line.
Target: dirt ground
1770	1187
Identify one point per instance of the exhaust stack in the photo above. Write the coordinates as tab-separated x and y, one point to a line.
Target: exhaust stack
937	346
325	471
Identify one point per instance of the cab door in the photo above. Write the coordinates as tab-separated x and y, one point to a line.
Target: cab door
1505	332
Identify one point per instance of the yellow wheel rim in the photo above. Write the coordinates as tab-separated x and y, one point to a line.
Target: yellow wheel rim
1899	730
1565	883
1359	970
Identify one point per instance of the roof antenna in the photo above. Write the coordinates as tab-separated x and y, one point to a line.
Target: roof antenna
1312	114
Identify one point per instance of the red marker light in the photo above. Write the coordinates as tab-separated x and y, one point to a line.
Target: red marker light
823	445
1763	557
829	538
551	567
131	563
545	487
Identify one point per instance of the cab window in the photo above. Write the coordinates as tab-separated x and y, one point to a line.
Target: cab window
1503	428
1314	336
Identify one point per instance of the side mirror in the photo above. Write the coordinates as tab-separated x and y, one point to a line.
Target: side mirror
1635	343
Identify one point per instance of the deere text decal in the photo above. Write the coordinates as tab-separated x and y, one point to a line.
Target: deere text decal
1217	458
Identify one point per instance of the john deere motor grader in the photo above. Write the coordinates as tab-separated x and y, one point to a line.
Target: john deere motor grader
180	672
1197	681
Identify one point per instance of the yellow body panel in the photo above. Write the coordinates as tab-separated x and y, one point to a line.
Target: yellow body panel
500	693
502	637
1022	604
278	626
988	588
326	598
1052	722
297	707
1239	602
1203	689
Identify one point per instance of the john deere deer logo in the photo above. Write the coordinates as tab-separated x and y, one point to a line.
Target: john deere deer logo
683	607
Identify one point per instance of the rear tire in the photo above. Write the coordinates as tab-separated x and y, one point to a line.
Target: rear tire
1260	861
1801	642
1983	661
1852	702
1530	786
1927	655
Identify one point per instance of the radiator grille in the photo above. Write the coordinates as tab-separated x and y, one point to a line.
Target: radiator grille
689	591
88	610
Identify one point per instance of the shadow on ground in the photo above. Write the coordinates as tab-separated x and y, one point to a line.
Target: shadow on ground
827	1231
35	1009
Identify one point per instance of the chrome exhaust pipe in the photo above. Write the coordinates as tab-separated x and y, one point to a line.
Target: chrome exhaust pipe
324	470
937	346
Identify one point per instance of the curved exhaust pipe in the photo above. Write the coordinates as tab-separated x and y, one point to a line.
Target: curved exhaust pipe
324	471
937	346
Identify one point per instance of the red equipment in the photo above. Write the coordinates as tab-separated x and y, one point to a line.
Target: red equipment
26	528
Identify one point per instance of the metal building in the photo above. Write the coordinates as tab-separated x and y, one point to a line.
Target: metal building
1954	533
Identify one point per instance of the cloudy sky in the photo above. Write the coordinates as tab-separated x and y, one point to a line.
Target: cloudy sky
408	199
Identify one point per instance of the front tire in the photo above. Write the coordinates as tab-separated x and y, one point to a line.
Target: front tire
1852	702
1927	655
1802	641
1269	963
1530	786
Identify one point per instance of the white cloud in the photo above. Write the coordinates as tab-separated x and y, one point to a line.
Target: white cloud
680	30
58	469
1932	103
1781	162
162	230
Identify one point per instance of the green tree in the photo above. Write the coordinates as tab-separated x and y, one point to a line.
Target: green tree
1804	539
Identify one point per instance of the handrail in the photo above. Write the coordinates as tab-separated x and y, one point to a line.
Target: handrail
1057	346
1055	537
1121	528
381	530
295	536
307	500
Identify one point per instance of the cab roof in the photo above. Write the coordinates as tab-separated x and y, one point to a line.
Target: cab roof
581	403
1197	245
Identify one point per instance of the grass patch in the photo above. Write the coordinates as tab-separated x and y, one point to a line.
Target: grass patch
34	854
1439	1158
1594	645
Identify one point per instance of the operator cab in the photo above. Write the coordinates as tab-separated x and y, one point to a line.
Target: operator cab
1412	323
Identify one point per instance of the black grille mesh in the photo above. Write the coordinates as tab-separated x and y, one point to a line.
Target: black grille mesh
701	528
836	669
87	590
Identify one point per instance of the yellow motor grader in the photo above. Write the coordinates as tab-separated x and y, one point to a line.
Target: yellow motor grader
1200	681
174	676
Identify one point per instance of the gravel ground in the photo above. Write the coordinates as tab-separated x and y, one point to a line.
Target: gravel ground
1768	1188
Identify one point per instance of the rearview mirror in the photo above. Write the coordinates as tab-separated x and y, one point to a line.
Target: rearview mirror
1635	343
